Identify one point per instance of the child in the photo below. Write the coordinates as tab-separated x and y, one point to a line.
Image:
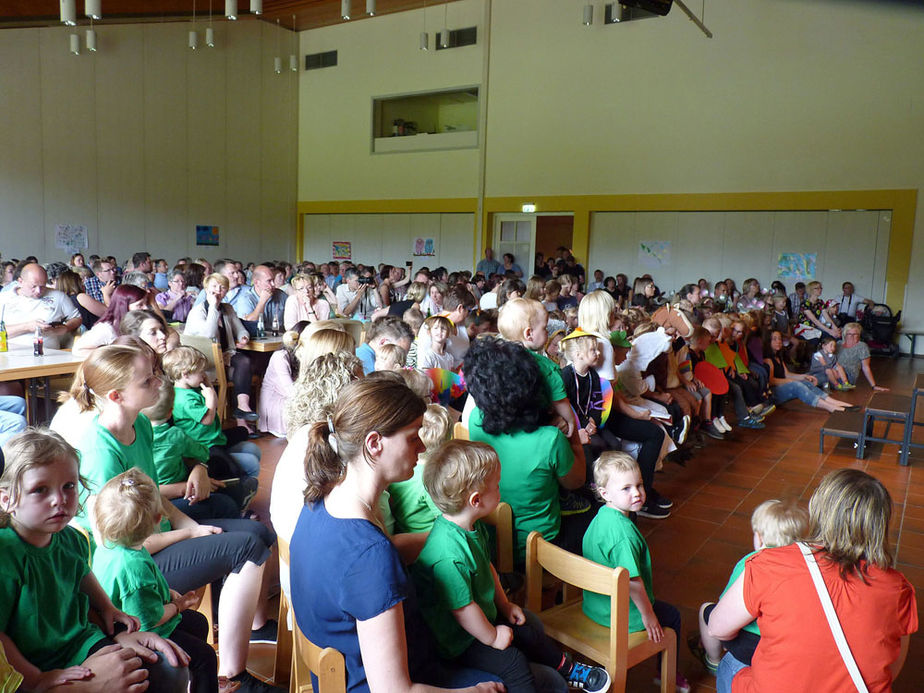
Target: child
553	346
186	477
46	586
433	354
461	598
614	541
411	505
390	357
571	317
714	425
552	292
584	389
195	409
774	523
127	511
825	367
279	382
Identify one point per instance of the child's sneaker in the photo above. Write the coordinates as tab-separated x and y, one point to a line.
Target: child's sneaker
589	678
573	504
654	512
723	424
682	685
750	422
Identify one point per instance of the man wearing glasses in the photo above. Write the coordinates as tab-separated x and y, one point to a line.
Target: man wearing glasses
103	282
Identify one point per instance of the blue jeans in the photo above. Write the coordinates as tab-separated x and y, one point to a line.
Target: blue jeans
798	389
247	454
728	667
12	416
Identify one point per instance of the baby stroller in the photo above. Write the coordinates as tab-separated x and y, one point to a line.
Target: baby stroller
879	327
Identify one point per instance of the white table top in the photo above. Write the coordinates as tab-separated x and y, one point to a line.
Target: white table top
19	362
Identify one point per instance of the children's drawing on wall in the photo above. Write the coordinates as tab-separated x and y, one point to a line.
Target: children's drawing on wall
206	235
342	250
796	266
654	254
70	237
424	246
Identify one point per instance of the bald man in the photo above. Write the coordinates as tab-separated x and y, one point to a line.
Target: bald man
33	305
262	298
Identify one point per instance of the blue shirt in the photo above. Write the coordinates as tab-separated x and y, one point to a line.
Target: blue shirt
366	354
488	267
160	281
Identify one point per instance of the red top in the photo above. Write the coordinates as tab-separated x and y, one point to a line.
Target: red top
797	651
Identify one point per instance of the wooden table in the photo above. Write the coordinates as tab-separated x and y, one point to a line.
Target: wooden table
266	344
19	363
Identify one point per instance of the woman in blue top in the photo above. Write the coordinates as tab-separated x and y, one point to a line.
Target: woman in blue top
349	586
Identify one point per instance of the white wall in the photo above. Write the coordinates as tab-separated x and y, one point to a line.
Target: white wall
144	139
389	238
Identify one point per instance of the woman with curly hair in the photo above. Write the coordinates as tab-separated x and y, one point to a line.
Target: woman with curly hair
536	459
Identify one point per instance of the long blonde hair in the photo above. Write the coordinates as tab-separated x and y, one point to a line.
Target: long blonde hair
595	313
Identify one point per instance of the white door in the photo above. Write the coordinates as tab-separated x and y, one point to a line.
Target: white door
516	234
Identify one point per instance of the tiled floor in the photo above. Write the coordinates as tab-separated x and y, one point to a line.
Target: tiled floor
694	550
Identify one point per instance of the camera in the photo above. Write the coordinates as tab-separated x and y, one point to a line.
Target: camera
364	280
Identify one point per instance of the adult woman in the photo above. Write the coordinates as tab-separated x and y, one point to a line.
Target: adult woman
124	299
354	600
279	382
849	517
787	385
281	281
150	328
176	302
814	320
506	385
416	292
645	296
216	320
750	298
433	303
854	356
306	304
90	309
194	274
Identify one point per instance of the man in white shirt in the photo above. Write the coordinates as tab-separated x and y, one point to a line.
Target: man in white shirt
357	297
848	302
32	305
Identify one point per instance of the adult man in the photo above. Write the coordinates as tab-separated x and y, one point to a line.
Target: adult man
357	297
488	265
848	302
103	282
32	305
388	329
141	262
262	299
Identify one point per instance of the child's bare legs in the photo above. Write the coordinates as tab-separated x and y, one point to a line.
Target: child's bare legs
712	645
236	608
841	374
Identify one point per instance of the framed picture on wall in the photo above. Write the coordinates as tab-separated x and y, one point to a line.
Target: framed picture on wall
206	235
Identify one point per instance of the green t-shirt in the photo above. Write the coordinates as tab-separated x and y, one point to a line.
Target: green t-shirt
452	571
613	540
172	446
411	505
188	410
135	585
736	571
531	465
102	457
42	608
551	376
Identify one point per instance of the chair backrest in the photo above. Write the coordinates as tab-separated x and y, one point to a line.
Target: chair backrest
502	519
325	663
354	327
460	432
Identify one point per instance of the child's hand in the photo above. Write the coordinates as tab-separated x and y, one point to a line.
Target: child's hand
811	379
591	427
502	638
112	616
216	484
655	634
209	395
203	531
198	485
513	613
60	677
583	436
184	601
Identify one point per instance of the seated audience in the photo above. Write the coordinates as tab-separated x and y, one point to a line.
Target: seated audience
853	355
175	301
30	307
787	385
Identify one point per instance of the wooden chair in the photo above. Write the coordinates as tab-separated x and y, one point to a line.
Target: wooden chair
213	354
207	608
282	662
354	327
502	519
327	664
460	432
615	647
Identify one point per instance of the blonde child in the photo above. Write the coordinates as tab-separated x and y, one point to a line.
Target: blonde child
127	511
433	354
613	540
411	505
46	587
461	598
773	523
195	409
390	357
825	367
183	469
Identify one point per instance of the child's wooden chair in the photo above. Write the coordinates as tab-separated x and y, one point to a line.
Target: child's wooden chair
502	519
327	664
460	432
615	647
212	351
282	660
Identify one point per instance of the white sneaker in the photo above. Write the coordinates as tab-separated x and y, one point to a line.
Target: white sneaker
723	424
682	438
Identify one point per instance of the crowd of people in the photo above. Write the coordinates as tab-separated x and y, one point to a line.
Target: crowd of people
572	394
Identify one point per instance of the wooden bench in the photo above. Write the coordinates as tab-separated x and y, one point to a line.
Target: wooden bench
841	424
891	408
912	336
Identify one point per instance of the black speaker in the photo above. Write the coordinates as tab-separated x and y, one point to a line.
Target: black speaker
661	7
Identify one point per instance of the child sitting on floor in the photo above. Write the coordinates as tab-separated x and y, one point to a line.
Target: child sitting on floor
195	409
614	541
774	523
826	369
462	601
127	511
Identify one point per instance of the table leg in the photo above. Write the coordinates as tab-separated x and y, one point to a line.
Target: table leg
47	399
861	438
32	413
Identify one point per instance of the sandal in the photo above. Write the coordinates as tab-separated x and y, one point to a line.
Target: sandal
226	685
696	647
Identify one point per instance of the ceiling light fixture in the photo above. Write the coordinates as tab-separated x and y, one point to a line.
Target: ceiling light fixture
69	12
293	56
370	7
91	40
345	9
444	34
588	15
209	31
75	44
231	9
93	9
256	6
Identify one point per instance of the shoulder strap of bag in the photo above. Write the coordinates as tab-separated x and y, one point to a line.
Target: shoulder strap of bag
831	615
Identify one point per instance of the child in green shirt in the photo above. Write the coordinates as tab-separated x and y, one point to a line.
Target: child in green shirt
411	506
774	523
127	511
613	540
461	598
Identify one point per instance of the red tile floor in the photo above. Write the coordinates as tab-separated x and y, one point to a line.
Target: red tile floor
695	549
